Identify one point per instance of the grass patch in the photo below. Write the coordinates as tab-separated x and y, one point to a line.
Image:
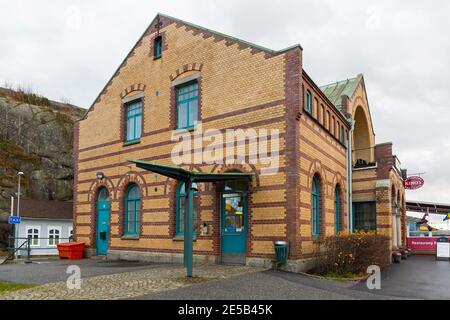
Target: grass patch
8	286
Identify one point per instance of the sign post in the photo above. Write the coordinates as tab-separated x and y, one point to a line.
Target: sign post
443	248
413	183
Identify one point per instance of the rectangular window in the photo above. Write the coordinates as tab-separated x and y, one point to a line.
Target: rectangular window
327	123
364	216
33	233
187	105
323	116
158	47
134	120
342	135
308	101
54	234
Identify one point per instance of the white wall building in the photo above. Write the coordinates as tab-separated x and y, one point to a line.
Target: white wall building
47	223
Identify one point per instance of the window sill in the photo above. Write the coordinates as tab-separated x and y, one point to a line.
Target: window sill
130	143
130	237
181	238
187	129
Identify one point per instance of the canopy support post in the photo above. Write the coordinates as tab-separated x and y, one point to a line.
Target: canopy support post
188	228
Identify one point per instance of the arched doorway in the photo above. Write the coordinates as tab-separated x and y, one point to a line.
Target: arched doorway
103	208
234	204
363	153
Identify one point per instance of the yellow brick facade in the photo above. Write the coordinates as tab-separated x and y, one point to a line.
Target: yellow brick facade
240	86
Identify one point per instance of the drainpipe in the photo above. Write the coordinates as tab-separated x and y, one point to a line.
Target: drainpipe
349	176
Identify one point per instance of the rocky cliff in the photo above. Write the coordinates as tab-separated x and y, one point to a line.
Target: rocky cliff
36	137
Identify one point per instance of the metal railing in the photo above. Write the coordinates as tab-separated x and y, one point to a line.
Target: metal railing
20	244
363	158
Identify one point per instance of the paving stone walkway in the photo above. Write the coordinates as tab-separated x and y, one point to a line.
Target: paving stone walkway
129	284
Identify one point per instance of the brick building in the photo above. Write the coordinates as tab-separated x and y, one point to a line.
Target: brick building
178	75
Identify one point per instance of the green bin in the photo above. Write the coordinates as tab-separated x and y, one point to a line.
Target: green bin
281	251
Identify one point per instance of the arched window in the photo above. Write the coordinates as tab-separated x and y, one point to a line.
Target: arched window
103	195
337	209
132	210
315	210
309	101
181	203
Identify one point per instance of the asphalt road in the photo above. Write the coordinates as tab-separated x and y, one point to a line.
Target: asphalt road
419	277
267	285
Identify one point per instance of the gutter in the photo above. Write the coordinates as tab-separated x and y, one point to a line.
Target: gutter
350	176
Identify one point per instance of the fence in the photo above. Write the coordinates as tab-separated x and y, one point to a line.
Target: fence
33	246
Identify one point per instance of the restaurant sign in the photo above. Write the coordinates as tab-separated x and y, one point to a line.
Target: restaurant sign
413	183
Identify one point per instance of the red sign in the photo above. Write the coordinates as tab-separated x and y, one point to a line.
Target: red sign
413	183
422	244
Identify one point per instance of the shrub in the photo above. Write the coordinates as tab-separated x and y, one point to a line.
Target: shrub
351	253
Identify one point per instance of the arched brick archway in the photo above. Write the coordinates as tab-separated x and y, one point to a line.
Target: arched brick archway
122	187
92	198
362	136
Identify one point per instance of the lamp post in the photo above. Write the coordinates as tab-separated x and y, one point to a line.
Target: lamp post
16	228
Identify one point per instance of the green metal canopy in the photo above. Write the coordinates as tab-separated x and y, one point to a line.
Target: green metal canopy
179	173
189	177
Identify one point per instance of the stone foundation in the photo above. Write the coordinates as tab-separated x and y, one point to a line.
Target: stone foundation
158	257
294	266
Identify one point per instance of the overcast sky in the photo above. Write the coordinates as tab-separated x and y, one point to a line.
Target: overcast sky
69	50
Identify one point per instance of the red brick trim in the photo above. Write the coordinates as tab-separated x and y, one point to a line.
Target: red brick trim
233	113
293	101
132	88
133	176
195	66
96	184
164	46
205	34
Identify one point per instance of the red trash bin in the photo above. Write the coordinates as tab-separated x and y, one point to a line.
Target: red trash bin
71	250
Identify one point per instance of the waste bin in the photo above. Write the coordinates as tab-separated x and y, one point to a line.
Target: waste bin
71	250
281	252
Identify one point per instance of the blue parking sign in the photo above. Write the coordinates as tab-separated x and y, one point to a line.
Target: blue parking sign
14	220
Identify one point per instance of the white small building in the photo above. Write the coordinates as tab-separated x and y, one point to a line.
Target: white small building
47	223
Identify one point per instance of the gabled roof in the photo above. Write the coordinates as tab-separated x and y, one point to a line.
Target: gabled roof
335	91
216	33
243	43
45	209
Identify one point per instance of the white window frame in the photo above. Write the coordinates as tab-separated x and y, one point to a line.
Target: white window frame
38	228
69	229
49	228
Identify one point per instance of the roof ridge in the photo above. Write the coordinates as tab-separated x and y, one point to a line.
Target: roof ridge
192	25
340	81
250	44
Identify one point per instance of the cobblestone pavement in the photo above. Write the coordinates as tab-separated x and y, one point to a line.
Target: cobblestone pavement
129	284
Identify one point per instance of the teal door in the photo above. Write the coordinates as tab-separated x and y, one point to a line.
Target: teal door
234	227
103	207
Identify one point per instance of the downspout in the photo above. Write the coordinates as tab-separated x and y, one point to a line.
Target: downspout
350	176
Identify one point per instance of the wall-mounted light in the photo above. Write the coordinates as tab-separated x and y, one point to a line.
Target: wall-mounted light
100	176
